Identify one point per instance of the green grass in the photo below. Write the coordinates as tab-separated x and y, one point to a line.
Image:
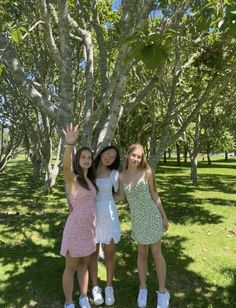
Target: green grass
199	248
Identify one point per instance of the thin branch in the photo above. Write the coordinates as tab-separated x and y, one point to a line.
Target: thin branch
49	35
102	49
32	28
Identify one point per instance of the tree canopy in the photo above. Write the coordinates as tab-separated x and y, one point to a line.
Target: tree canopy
124	70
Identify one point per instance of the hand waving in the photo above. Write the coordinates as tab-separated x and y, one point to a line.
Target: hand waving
71	133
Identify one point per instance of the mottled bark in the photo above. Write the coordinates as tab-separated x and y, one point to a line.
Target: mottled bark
61	54
194	149
9	149
52	171
193	173
102	51
88	104
13	66
66	84
134	17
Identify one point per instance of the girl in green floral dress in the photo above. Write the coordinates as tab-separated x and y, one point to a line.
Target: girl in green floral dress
148	220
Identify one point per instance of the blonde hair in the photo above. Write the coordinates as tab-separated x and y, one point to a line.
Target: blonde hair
143	164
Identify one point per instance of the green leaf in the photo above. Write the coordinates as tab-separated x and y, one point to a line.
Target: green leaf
16	35
22	29
2	67
153	55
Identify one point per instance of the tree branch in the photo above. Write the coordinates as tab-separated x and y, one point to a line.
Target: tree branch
49	35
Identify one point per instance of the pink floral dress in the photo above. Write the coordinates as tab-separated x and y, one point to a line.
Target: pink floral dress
79	237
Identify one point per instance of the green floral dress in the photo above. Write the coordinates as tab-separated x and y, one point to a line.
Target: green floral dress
146	219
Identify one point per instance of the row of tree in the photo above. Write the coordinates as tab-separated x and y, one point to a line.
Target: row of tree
157	72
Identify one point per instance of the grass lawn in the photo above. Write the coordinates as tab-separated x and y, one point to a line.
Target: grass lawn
199	248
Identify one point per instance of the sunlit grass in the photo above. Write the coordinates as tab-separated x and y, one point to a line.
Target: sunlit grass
199	248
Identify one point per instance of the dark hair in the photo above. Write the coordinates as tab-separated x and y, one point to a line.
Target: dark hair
115	165
79	172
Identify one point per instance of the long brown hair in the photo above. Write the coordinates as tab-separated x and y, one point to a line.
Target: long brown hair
79	172
143	165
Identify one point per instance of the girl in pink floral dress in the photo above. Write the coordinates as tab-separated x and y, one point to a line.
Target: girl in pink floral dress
78	241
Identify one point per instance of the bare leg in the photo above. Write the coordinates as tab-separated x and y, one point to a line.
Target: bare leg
93	267
160	265
83	275
142	264
109	252
68	277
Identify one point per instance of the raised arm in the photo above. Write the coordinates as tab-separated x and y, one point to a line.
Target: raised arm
156	197
71	135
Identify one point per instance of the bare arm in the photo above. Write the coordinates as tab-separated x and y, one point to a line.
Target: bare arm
67	164
71	135
120	195
156	198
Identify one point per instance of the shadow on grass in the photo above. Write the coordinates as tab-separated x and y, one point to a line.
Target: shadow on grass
178	194
220	183
34	268
34	282
34	275
187	288
31	232
182	207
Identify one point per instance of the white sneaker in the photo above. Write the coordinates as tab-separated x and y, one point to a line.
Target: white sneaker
109	296
84	302
69	306
97	296
163	299
142	298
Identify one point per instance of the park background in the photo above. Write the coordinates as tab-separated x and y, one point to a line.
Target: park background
157	72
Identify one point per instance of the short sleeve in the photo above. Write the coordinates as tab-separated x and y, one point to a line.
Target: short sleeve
115	179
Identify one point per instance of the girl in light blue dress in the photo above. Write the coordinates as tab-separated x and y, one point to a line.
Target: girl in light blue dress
107	221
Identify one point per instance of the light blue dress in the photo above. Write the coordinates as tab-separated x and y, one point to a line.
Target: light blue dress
107	219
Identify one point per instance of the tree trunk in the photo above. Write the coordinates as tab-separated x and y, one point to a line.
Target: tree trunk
7	152
5	160
193	174
51	176
156	150
208	159
185	154
164	157
208	154
178	154
226	156
52	173
37	168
